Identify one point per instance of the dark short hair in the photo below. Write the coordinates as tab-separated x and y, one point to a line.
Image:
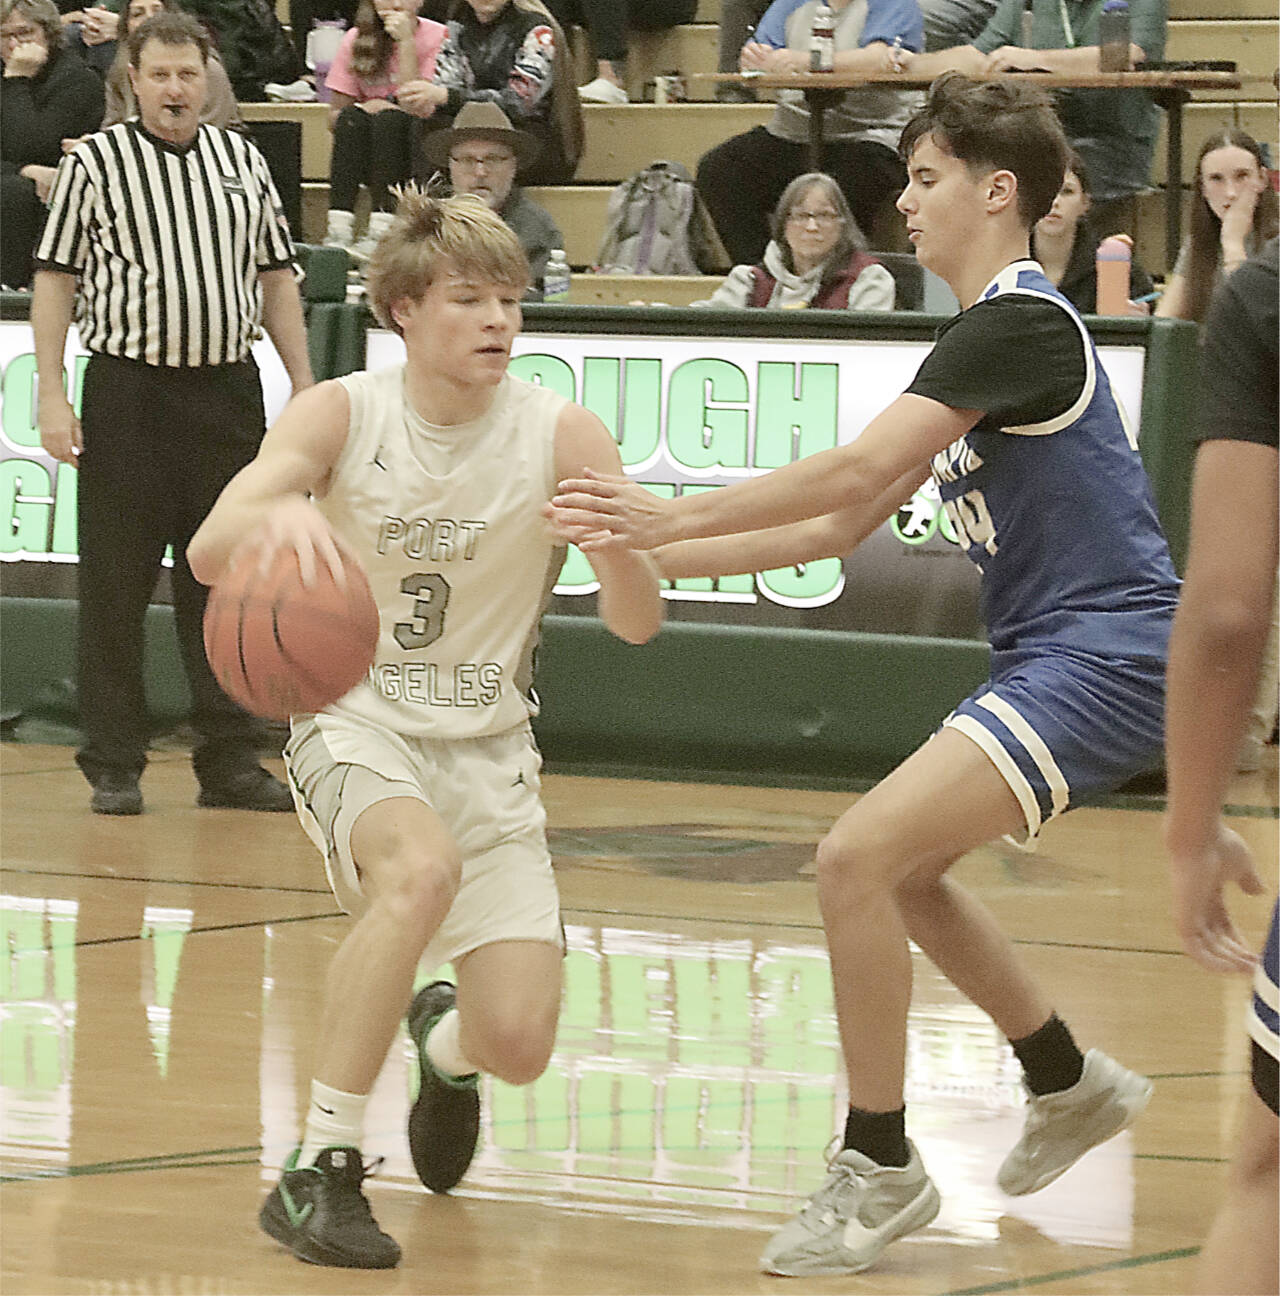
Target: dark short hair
169	27
1003	124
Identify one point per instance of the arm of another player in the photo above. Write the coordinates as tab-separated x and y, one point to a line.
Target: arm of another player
629	601
833	535
1218	638
265	506
852	478
283	320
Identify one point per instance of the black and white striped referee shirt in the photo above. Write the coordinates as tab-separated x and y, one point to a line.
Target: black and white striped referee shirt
168	242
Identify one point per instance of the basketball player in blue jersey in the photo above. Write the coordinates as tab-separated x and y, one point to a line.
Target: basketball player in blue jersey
1014	416
1215	658
421	786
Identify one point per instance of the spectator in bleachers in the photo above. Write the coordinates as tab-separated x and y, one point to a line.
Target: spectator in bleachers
380	85
1113	130
738	20
817	257
606	23
1066	245
252	42
742	179
483	153
1233	214
220	107
954	22
513	53
47	95
92	32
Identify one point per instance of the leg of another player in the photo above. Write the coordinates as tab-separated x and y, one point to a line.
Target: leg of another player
1239	1254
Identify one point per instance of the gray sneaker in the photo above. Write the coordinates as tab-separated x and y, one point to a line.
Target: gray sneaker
1062	1127
849	1221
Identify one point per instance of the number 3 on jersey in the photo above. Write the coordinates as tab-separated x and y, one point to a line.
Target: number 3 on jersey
430	593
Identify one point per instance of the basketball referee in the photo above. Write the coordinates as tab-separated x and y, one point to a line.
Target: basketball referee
168	239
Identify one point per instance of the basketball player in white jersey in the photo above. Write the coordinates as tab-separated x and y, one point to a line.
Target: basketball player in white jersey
421	785
1013	415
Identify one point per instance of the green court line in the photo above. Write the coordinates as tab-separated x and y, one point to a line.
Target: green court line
1021	1284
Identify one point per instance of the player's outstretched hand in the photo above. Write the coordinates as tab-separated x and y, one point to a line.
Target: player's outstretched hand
596	511
1199	879
294	523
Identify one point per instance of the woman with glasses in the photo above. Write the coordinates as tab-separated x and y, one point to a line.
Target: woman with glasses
817	257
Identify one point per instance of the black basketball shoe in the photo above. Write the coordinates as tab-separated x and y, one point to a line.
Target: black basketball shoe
444	1121
321	1215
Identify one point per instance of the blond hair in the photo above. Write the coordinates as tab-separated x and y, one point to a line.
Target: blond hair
431	234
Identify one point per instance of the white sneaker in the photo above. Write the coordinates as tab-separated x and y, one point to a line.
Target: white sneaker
849	1221
367	244
1062	1127
602	91
299	91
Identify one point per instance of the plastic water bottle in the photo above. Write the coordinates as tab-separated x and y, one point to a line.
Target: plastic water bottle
1115	255
555	279
1113	37
1028	25
822	42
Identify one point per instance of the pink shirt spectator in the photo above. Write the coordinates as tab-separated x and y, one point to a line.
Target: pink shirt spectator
428	38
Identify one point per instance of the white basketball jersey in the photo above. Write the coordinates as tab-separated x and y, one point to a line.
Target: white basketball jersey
448	525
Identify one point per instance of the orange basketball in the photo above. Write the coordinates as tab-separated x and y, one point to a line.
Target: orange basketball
280	648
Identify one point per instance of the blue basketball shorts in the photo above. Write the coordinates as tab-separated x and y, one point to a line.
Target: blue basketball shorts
1264	1017
1062	726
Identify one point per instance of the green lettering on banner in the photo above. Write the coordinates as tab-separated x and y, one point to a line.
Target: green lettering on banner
626	395
19	416
547	371
796	414
699	436
806	581
25	489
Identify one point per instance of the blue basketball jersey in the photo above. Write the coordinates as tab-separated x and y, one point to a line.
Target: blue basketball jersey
1059	518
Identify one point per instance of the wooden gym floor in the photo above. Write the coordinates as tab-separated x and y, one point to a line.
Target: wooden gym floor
163	978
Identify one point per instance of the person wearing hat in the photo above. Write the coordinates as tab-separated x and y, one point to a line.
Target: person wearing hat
483	153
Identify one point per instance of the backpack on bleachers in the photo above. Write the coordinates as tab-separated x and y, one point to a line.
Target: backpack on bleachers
656	224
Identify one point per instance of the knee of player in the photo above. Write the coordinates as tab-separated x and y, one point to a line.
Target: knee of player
850	866
518	1048
417	887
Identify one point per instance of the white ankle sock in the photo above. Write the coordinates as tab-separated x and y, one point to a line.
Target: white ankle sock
444	1047
334	1119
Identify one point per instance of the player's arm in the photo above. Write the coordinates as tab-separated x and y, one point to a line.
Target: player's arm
266	503
629	600
854	479
831	536
1214	658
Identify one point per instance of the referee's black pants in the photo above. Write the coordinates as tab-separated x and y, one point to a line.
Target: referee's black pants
159	445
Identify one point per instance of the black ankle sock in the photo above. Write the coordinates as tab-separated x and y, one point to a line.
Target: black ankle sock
879	1135
1050	1059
